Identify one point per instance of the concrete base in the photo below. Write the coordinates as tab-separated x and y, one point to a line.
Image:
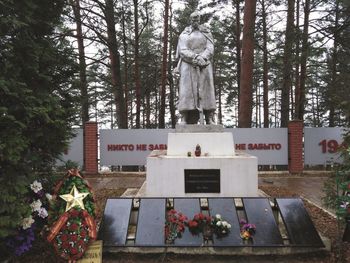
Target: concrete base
223	251
165	175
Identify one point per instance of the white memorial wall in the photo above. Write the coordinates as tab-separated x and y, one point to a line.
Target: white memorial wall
131	147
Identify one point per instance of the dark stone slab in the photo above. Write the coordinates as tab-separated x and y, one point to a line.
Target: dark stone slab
150	222
301	230
226	208
259	212
115	222
189	207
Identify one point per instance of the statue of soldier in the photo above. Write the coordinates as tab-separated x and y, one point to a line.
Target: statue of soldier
196	84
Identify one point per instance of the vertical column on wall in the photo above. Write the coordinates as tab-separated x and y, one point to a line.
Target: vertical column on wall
295	146
90	148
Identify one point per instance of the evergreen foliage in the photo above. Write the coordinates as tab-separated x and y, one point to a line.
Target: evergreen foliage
36	107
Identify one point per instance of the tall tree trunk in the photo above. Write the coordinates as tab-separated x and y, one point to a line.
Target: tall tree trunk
148	108
334	68
297	64
287	62
246	95
137	65
82	64
82	67
238	46
220	104
171	79
114	57
265	68
303	59
125	61
164	67
157	100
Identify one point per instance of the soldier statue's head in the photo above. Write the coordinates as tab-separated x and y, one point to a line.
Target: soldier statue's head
195	19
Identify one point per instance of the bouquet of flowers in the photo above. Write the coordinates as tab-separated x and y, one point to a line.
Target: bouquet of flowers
199	223
221	227
174	225
31	225
247	230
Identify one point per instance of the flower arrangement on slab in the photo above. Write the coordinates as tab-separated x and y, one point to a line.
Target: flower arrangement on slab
221	227
247	230
72	217
34	222
199	223
174	225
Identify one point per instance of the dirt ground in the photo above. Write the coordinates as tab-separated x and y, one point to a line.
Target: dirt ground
325	224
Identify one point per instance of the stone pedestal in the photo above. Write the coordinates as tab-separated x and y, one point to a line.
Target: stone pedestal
236	172
212	144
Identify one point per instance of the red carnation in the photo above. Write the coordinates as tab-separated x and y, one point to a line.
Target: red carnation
192	223
180	228
73	250
83	233
172	211
65	245
182	218
64	237
73	227
74	237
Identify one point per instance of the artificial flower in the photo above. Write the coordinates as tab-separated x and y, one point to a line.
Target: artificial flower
36	186
42	212
36	205
221	227
27	222
247	230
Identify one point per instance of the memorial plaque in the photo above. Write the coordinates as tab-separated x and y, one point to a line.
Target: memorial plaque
202	181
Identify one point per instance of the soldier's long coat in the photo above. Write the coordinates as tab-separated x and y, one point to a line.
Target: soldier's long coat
196	85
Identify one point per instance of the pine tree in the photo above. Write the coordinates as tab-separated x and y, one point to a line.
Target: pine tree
36	105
